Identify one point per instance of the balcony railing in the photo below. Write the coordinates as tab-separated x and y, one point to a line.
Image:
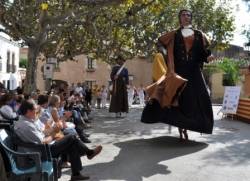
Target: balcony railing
9	68
91	69
14	68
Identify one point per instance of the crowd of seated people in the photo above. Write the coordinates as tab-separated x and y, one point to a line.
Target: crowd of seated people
59	119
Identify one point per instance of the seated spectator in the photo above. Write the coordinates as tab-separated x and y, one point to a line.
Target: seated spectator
19	90
28	131
57	115
79	104
19	99
48	126
6	111
2	89
45	116
62	116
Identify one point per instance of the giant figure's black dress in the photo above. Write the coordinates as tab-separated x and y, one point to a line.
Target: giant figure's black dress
195	110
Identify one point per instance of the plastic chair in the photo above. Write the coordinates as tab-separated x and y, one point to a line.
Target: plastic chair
35	169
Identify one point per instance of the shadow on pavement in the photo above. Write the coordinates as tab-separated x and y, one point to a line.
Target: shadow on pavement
141	158
234	135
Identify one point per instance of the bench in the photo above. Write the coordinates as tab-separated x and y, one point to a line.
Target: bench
243	111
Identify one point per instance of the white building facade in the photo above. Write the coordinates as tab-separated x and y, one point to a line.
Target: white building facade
9	63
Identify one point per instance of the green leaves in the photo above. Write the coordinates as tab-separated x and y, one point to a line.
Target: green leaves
106	28
231	69
23	63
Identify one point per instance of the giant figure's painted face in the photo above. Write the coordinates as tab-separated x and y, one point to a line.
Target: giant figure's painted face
185	18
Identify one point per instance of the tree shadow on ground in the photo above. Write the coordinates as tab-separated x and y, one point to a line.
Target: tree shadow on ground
141	158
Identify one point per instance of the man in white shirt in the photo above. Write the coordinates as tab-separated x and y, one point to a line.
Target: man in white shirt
79	90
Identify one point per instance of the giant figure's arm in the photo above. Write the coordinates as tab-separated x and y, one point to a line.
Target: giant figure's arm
113	72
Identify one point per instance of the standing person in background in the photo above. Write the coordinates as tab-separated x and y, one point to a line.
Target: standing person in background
98	97
131	92
119	77
104	95
94	94
72	87
79	89
88	97
141	95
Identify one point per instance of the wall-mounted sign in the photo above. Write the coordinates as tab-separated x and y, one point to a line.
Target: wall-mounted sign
52	60
48	71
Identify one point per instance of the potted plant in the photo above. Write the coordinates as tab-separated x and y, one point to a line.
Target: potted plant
231	68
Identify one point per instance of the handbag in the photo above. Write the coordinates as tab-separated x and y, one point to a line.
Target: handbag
59	135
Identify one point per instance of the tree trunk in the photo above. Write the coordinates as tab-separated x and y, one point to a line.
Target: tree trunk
31	74
48	84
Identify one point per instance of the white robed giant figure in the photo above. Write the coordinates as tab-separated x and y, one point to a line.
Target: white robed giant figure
131	93
140	92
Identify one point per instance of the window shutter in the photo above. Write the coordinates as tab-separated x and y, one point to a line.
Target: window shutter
86	63
94	64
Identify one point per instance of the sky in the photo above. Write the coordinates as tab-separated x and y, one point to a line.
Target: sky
242	18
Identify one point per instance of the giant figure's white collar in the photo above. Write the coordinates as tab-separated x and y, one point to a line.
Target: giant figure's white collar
187	31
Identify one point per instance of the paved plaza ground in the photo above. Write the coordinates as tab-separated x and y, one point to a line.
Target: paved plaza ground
133	151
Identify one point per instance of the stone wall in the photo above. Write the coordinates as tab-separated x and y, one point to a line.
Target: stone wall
140	70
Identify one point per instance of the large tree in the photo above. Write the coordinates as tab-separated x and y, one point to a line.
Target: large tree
103	28
132	28
38	23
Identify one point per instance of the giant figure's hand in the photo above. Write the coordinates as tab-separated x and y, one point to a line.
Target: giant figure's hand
210	58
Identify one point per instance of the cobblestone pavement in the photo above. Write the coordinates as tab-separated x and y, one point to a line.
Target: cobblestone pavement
133	151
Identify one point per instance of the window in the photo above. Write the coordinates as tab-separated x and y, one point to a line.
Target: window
90	83
13	63
1	65
57	67
8	68
90	63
